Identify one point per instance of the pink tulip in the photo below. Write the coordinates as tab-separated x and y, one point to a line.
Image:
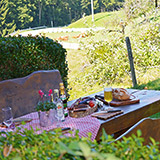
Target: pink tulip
50	92
41	93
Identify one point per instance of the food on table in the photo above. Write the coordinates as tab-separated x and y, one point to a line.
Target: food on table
82	103
120	94
83	107
91	103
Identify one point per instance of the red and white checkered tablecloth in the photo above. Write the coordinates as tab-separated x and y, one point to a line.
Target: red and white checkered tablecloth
84	125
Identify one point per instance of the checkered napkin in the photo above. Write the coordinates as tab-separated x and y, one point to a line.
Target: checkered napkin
84	125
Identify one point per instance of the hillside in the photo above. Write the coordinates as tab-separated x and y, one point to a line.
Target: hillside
102	59
112	20
95	70
100	20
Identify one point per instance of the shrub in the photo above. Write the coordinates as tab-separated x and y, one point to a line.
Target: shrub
54	145
20	56
108	60
146	47
136	8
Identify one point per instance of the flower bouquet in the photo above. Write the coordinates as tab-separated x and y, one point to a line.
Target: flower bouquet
46	109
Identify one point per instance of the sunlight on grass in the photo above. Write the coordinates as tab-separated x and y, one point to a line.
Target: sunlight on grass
77	62
101	19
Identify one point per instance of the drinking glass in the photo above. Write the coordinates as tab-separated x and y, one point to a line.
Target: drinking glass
108	95
7	116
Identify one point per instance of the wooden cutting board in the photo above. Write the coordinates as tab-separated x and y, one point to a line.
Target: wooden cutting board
104	116
116	103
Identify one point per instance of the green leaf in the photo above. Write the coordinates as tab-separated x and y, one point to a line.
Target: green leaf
139	133
17	158
74	146
85	149
64	148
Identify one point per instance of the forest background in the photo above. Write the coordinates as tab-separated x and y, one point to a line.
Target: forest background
53	13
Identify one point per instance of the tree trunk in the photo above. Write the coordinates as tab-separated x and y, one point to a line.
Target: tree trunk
40	12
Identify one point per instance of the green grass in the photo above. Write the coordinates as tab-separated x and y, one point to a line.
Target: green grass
100	19
151	85
77	59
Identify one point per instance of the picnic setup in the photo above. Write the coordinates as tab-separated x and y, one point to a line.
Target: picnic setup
116	111
80	80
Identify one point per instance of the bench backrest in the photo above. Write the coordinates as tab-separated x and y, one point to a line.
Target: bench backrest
21	94
149	128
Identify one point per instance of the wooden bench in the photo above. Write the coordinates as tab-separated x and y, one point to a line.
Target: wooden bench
149	128
21	94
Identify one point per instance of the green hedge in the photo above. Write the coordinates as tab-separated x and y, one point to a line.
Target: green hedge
20	56
53	145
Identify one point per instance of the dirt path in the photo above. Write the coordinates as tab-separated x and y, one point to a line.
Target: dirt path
55	30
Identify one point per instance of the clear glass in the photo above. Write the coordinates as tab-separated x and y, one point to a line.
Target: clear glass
55	95
108	95
7	116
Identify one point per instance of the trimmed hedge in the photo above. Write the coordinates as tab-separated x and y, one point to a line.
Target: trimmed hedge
20	56
53	145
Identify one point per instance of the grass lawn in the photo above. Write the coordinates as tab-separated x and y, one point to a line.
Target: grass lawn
78	61
100	20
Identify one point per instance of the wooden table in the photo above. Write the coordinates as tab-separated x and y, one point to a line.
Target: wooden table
149	105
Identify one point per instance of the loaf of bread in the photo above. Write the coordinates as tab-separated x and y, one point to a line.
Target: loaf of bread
120	94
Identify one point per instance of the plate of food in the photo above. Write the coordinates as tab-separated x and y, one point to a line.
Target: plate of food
83	107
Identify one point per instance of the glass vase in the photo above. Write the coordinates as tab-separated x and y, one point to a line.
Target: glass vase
47	118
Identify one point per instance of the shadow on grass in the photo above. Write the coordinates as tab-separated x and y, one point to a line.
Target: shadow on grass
152	85
97	19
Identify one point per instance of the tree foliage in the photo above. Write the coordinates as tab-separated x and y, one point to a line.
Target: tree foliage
32	13
5	28
135	8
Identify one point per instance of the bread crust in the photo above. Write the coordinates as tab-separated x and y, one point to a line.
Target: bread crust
120	94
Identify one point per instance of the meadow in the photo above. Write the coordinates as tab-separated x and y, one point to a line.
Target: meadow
114	22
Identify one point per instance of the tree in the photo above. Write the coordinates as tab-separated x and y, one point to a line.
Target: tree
5	28
32	13
136	8
23	12
75	12
86	6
